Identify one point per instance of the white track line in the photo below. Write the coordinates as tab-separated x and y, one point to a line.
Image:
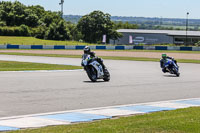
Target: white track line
89	109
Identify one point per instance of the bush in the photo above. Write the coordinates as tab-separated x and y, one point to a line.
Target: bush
2	23
23	30
58	32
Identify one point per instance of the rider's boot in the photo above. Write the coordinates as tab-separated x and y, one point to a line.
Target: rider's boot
164	70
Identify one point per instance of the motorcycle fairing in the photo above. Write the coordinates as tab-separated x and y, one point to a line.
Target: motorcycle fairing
98	67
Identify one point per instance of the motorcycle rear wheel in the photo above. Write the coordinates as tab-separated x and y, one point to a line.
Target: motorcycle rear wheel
178	74
107	76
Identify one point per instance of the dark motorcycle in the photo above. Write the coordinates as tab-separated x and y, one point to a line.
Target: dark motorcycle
172	67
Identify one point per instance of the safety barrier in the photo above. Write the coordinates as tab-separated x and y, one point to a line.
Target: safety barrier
99	47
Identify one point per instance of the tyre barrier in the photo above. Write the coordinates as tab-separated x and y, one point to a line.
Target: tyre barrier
99	47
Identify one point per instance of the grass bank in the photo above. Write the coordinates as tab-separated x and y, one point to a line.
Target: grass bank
176	121
104	57
35	41
162	51
24	66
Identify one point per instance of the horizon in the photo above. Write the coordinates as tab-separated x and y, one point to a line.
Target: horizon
137	17
129	8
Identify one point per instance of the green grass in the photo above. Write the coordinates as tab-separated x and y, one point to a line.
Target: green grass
45	55
176	121
35	41
153	51
149	59
25	66
104	57
164	51
176	26
170	44
133	50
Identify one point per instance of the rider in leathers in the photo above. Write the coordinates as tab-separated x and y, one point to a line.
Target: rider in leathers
87	51
163	60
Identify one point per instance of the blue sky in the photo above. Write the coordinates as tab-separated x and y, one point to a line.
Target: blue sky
139	8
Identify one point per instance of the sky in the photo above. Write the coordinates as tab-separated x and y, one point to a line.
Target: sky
134	8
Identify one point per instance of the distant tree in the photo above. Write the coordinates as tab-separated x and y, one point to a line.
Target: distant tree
47	19
2	23
16	14
126	25
31	19
40	32
95	25
58	32
12	13
75	33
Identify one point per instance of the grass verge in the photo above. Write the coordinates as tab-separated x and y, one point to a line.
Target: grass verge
132	50
162	51
176	121
24	66
35	41
104	57
15	40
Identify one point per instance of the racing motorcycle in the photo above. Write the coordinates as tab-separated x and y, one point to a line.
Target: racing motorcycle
94	69
172	67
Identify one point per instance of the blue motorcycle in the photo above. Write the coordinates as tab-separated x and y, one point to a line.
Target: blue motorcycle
172	67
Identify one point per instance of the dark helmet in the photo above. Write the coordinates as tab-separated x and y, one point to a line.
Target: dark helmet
164	56
86	50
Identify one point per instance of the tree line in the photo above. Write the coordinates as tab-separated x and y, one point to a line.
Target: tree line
16	19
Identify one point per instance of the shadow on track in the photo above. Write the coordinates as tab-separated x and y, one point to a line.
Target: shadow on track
170	76
94	82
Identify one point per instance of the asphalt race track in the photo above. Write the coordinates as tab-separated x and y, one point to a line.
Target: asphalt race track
24	93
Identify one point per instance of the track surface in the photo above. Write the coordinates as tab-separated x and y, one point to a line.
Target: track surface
24	93
193	55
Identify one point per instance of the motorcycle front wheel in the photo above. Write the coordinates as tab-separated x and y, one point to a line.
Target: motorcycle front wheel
92	73
176	72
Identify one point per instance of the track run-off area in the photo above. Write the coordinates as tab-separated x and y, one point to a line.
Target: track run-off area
132	82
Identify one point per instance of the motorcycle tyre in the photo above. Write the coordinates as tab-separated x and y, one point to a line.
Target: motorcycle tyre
92	74
107	76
